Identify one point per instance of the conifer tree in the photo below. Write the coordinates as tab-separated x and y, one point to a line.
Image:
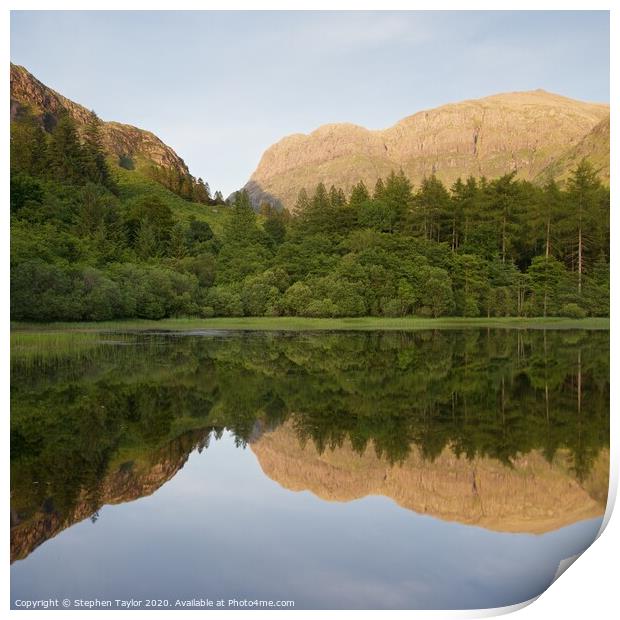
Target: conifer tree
65	154
95	165
303	202
379	189
432	204
359	195
583	193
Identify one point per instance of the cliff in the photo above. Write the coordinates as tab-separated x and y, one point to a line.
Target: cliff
526	132
120	140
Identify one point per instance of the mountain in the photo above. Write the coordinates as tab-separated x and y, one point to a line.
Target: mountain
143	148
533	133
593	146
532	496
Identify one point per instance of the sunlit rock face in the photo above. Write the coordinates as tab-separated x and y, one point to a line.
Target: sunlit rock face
120	140
535	133
532	495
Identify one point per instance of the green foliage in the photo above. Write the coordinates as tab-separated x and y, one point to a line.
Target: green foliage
573	311
437	292
28	145
25	190
98	239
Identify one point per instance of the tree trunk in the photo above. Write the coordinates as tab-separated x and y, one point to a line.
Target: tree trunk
547	245
579	381
546	287
453	234
580	260
546	385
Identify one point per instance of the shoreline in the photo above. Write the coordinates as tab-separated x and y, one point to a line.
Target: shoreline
318	324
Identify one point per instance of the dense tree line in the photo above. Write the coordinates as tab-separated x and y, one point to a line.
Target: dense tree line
501	247
186	186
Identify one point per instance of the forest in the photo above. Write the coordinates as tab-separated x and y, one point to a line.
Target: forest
90	241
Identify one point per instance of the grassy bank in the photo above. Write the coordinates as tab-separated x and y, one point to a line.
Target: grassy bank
307	324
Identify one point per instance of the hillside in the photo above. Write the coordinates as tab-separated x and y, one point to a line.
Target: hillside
593	146
143	147
526	132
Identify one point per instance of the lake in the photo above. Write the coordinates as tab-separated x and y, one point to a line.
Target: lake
416	470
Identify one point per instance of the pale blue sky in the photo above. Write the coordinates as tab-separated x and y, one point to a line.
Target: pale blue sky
220	87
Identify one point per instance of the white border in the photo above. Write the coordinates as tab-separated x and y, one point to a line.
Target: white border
589	586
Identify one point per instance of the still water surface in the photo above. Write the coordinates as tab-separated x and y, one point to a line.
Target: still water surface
435	469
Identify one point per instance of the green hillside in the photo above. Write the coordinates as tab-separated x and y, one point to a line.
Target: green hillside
133	184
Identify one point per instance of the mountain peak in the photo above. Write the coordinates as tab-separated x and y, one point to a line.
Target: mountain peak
120	140
522	131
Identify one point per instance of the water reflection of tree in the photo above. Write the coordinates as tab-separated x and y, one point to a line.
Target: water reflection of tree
489	392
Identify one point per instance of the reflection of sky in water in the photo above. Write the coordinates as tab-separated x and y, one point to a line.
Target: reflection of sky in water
222	529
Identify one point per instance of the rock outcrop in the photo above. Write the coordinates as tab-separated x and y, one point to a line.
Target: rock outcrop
524	131
533	496
143	147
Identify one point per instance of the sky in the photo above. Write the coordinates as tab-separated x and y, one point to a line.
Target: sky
220	87
221	528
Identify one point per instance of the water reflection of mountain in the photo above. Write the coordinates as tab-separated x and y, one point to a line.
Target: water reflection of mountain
89	419
533	496
126	482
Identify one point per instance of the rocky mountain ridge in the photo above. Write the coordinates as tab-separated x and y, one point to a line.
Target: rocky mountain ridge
530	132
120	140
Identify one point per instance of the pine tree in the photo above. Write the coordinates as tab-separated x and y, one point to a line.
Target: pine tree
397	198
337	198
506	203
146	243
583	195
178	247
359	195
95	165
202	192
303	202
65	154
379	189
432	204
318	216
240	227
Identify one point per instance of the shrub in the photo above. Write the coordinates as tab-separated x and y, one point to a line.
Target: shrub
321	308
296	299
470	307
573	311
225	301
